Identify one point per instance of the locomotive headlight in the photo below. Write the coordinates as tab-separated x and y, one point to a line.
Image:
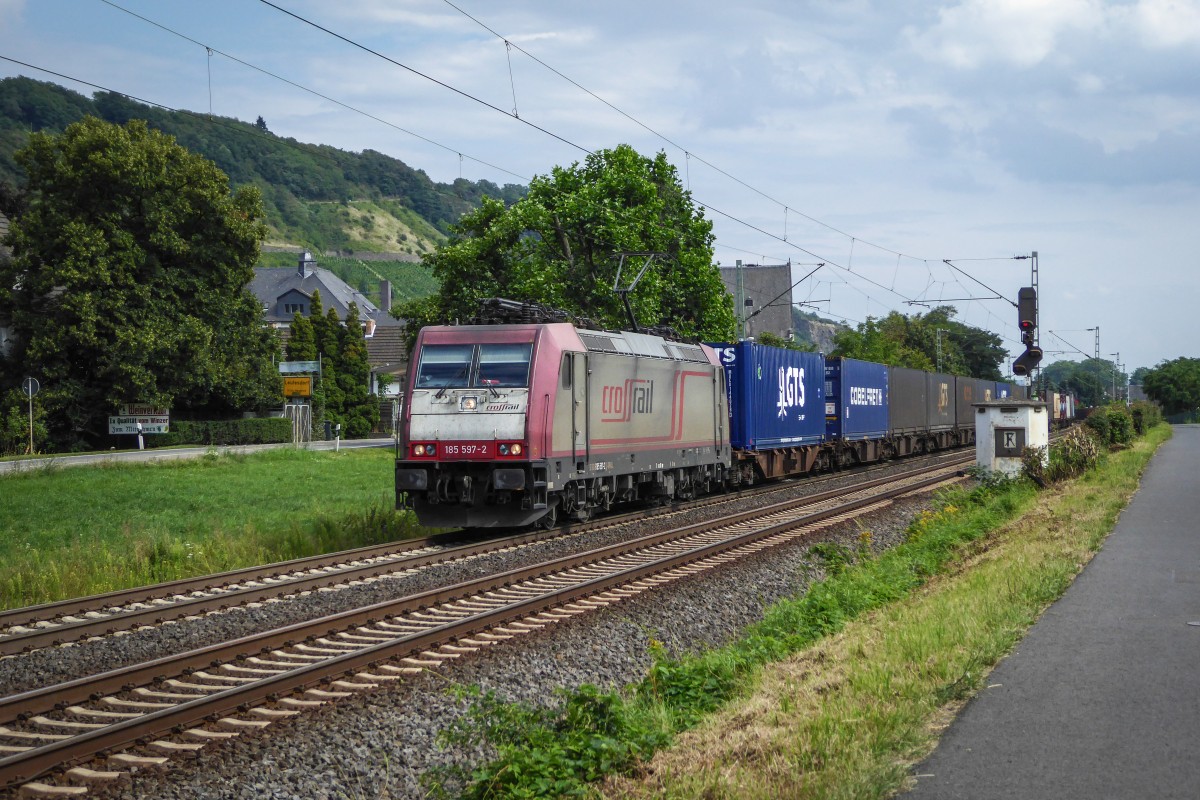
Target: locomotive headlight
516	449
503	449
468	403
424	449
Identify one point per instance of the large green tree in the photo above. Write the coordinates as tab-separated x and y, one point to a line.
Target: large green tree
1175	385
561	245
360	406
925	341
128	281
1090	380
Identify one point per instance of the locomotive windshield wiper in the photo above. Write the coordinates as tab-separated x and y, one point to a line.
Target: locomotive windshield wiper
462	373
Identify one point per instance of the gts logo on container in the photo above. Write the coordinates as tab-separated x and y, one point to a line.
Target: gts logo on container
619	403
791	390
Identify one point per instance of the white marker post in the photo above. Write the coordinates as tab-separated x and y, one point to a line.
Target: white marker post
141	442
337	438
31	387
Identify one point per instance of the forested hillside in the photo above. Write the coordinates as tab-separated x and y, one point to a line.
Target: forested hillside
315	196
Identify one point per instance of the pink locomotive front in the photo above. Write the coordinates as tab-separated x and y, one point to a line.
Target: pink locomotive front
506	425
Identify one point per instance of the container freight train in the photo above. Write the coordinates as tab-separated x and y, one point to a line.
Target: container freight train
514	424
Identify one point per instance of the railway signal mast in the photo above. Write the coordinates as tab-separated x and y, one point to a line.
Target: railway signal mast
1027	322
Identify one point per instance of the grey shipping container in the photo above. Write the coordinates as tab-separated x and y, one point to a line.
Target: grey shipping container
970	391
908	406
941	397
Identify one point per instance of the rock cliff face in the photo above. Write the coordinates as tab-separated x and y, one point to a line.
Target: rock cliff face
820	333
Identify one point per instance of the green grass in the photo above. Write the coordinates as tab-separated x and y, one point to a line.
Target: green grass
835	693
69	532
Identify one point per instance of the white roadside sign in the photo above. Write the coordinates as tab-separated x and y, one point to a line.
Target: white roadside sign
118	425
152	419
142	410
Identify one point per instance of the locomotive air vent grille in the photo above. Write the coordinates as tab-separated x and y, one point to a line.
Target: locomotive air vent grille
593	342
688	352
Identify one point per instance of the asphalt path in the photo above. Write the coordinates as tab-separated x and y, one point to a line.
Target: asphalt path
1102	698
167	454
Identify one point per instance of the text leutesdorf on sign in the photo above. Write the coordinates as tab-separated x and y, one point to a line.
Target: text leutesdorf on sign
297	386
153	419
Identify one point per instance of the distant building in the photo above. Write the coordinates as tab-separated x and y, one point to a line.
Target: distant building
762	298
285	292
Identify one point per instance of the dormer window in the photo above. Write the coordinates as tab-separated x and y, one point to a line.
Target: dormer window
295	308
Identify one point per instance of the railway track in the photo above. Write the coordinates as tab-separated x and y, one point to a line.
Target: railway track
182	702
25	629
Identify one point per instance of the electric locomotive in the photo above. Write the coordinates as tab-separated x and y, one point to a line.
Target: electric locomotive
514	424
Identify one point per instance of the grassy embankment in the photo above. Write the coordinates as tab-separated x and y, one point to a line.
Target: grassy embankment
70	532
836	693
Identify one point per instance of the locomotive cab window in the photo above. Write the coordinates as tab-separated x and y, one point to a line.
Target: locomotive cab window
445	366
503	365
463	366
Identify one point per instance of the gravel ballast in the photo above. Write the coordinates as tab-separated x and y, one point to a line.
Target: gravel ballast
378	744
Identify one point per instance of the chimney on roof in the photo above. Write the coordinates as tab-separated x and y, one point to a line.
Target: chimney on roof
385	296
306	265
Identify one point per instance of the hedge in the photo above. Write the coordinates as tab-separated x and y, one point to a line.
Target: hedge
267	430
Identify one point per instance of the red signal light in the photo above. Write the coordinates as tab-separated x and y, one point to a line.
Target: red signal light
1027	309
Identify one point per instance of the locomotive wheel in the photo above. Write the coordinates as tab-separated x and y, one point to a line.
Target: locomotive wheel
551	519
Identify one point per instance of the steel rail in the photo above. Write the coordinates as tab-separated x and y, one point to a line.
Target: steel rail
218	592
26	766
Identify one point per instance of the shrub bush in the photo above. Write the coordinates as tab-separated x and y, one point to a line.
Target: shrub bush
1097	423
1145	416
1073	454
1120	425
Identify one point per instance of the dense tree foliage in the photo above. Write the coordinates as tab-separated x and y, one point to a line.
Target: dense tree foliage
128	281
1175	385
1090	380
286	171
343	394
903	341
561	245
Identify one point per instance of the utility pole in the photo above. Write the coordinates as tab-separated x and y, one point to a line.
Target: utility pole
1096	355
1035	373
940	331
1116	360
740	300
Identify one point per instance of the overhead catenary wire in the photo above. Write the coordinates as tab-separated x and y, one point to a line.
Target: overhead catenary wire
217	121
509	44
418	73
563	139
303	88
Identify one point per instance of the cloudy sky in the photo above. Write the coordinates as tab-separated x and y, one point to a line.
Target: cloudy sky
879	138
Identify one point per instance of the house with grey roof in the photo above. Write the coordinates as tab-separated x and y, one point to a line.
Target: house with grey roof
285	292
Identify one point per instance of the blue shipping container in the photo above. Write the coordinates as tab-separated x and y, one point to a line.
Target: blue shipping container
776	396
856	399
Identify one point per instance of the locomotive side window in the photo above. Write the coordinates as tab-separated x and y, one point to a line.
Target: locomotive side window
445	366
566	371
503	365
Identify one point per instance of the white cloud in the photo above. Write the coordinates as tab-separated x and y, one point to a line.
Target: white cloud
1167	23
1022	33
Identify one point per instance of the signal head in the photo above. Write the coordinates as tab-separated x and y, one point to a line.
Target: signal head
1027	308
1024	363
